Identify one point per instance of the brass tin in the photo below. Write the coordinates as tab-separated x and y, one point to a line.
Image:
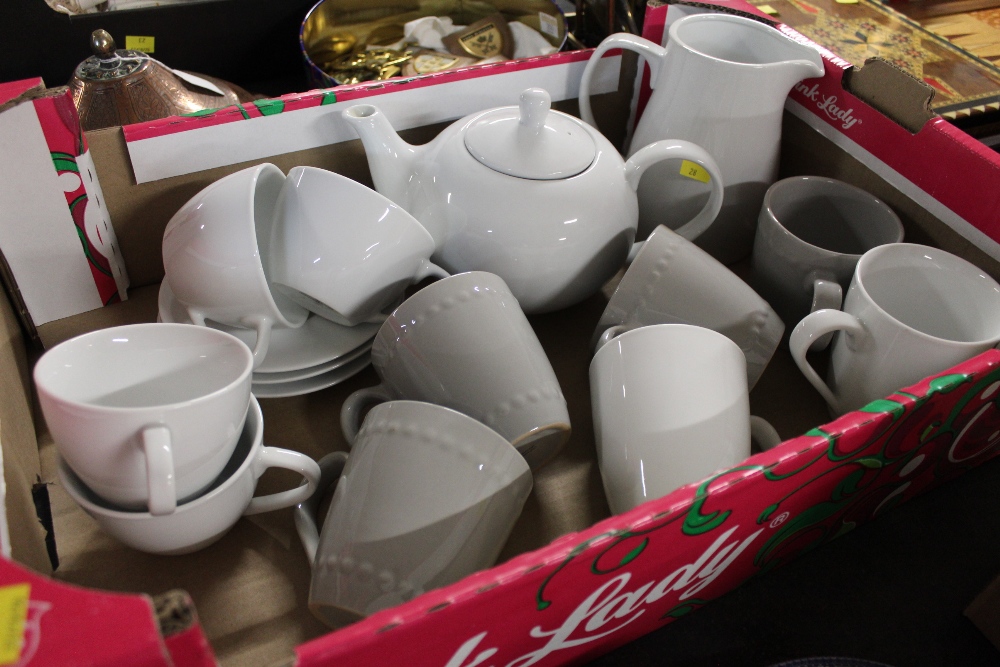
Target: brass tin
377	20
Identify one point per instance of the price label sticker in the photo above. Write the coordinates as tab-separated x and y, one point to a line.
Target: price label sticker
140	43
847	2
768	9
549	24
13	614
695	171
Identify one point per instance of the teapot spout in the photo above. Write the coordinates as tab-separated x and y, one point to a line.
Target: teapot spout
390	159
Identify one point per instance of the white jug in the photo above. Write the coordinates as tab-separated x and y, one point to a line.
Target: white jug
721	83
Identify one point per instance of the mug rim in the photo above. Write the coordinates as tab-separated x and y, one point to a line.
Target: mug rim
72	483
768	209
910	249
501	442
384	334
672	325
49	358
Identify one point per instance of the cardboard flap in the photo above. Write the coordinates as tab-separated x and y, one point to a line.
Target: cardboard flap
21	467
894	92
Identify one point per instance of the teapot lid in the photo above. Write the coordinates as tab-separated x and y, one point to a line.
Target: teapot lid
529	141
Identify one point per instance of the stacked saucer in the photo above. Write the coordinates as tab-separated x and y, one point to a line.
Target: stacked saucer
317	355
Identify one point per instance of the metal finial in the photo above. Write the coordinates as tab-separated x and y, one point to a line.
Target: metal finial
102	44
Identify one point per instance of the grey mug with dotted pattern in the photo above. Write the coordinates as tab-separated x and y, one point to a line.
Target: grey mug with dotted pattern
426	497
464	343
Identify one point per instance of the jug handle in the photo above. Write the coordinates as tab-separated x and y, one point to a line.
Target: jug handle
678	149
653	53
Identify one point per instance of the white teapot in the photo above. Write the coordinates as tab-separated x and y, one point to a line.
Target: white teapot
533	195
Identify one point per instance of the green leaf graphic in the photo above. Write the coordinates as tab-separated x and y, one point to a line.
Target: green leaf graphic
766	514
270	107
684	608
328	98
885	405
946	383
869	463
630	556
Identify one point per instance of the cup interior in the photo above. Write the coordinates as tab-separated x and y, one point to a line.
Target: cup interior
241	457
832	215
143	366
933	292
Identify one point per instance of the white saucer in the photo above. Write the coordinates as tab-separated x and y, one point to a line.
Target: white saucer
315	383
291	376
316	342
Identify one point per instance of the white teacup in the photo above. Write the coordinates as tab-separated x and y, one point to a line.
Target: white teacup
464	343
911	311
344	251
213	250
673	281
427	497
671	406
203	520
146	414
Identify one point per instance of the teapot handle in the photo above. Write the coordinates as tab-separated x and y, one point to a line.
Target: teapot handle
677	149
653	53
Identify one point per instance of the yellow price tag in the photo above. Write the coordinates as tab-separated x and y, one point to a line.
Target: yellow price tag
144	44
768	9
13	614
847	2
695	171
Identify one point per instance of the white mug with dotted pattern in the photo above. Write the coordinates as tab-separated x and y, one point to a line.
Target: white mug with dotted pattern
463	342
427	497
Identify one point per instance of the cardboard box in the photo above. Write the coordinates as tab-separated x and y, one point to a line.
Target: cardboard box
572	582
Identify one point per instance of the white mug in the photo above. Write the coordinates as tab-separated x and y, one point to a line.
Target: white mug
464	343
213	251
427	497
344	251
671	406
673	281
911	311
203	520
146	414
811	232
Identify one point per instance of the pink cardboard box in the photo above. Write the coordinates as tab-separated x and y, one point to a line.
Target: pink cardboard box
588	590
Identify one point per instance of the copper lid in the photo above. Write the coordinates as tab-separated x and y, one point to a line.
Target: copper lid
121	86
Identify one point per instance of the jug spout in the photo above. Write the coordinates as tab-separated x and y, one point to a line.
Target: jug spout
803	62
390	159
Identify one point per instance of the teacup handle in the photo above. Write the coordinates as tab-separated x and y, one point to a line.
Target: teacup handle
276	457
677	149
429	269
653	53
306	520
809	330
263	325
159	470
765	435
611	333
826	294
355	405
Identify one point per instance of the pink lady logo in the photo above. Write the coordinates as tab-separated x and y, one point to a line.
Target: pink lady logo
828	105
615	604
